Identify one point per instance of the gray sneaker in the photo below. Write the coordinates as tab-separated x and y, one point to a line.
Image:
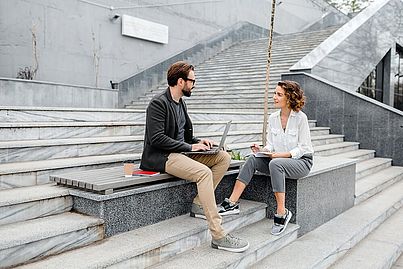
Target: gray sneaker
230	243
197	211
280	223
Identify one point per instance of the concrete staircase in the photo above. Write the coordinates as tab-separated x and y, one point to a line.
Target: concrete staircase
35	222
230	86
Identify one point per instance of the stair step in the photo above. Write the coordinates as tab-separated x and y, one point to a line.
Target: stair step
360	154
323	246
22	174
320	141
372	166
318	131
61	130
57	130
30	150
376	182
33	202
200	92
233	108
331	149
133	249
262	243
231	100
326	139
34	239
380	249
24	113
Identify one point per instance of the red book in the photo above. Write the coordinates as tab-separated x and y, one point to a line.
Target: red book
145	173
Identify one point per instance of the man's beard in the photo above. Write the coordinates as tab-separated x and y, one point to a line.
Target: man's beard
187	92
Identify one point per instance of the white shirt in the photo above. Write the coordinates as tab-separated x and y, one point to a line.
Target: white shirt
296	138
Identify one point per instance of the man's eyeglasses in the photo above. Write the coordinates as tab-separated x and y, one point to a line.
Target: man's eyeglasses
192	80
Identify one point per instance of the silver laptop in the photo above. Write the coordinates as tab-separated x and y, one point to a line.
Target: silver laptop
215	149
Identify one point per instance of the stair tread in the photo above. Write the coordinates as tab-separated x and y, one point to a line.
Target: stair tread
25	124
257	234
41	108
68	141
335	145
126	245
19	167
354	153
364	165
377	179
20	233
340	233
114	139
379	249
326	136
33	193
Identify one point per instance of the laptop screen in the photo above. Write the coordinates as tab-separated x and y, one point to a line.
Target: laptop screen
224	135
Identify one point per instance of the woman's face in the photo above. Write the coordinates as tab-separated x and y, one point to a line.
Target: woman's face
280	99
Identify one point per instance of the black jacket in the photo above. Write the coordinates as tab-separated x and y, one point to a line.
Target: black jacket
161	131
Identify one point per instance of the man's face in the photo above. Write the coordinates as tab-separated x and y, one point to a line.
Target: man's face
189	84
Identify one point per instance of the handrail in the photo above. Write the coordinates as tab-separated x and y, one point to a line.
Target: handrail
352	52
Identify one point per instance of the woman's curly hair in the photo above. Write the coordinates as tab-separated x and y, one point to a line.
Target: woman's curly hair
294	93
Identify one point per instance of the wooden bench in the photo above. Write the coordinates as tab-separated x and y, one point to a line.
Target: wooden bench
108	180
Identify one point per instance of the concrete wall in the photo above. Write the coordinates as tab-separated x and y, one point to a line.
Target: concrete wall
348	56
18	92
77	43
361	119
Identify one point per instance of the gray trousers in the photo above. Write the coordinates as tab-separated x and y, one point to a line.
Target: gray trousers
278	169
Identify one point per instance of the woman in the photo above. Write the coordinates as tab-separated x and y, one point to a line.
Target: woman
288	153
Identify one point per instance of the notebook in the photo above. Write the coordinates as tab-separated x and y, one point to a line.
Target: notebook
145	173
215	149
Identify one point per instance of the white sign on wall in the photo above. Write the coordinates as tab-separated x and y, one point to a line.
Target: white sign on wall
139	28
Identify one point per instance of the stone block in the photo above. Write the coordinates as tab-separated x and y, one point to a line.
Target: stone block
315	199
145	205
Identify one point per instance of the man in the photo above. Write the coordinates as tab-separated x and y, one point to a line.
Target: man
169	132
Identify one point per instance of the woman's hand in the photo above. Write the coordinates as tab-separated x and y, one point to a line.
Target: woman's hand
255	148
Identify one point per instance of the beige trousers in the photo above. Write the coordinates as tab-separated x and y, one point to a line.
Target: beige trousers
207	171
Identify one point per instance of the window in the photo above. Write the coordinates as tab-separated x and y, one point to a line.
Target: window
398	79
369	86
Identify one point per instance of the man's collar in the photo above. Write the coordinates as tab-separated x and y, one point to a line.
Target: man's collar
169	95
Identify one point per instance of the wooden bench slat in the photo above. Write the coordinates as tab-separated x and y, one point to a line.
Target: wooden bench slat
131	181
107	180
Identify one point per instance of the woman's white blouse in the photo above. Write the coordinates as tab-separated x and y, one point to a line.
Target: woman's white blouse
296	138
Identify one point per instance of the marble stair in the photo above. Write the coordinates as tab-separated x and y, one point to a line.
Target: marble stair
144	247
36	222
340	241
240	70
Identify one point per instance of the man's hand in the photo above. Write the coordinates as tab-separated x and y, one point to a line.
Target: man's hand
207	142
199	147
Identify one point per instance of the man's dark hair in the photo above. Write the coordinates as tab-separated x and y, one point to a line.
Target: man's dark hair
178	70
